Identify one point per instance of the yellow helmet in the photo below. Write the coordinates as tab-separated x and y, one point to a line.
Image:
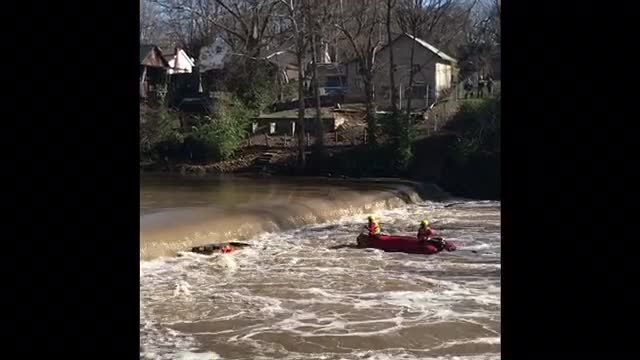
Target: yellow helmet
371	218
425	223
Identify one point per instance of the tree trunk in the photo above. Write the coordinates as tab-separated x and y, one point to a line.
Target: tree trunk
300	125
280	84
370	106
316	91
392	78
411	74
143	79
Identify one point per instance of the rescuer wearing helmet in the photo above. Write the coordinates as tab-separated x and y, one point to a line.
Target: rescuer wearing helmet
373	227
425	232
427	235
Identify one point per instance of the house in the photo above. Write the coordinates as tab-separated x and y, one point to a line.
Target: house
179	62
287	64
434	73
331	76
332	79
153	70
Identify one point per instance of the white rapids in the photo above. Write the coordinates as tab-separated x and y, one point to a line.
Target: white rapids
290	296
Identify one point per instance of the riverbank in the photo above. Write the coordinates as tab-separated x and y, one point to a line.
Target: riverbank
477	179
463	156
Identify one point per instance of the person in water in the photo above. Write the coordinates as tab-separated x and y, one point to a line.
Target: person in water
373	227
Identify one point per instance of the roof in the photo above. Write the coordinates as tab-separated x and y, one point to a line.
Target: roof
279	53
173	54
423	43
145	49
282	47
309	113
431	48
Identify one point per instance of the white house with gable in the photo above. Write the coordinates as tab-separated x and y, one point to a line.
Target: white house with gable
433	73
179	62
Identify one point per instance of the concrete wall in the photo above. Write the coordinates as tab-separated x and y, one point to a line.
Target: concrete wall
287	126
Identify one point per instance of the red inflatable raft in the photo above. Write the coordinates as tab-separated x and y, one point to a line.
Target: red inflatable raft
406	244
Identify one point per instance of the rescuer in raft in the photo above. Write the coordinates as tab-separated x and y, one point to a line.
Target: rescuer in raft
425	232
428	235
373	227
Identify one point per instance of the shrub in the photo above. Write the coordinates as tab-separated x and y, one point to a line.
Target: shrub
159	133
219	137
477	126
401	134
252	82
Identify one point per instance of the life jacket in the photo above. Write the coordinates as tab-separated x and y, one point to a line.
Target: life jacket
425	233
374	229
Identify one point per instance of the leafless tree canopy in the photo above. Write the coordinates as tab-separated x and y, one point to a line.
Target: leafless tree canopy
150	22
247	25
355	27
481	46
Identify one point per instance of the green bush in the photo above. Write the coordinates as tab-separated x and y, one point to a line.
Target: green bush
401	135
473	167
290	90
159	133
253	83
219	137
477	126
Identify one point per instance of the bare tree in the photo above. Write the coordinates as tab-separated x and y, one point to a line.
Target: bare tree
320	14
415	17
498	6
450	31
182	27
392	79
361	22
296	15
316	86
482	41
150	22
246	22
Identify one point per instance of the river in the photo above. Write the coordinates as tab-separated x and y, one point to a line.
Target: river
290	296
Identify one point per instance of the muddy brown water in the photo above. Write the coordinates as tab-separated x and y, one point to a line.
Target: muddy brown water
290	296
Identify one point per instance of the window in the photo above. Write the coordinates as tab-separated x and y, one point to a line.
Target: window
218	49
418	92
416	68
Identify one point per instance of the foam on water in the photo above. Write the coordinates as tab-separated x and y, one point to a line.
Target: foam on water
198	356
292	297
